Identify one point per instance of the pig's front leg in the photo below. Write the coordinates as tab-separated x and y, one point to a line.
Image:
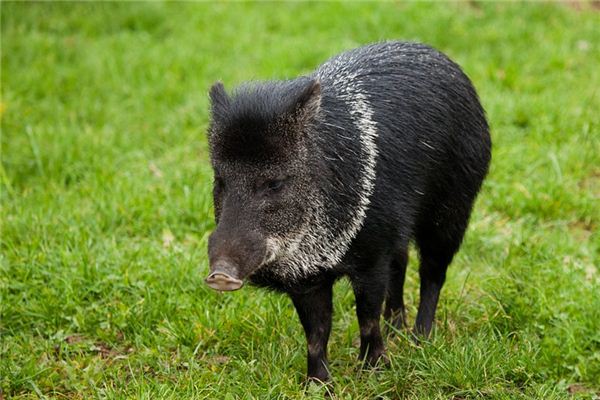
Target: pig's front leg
369	291
315	311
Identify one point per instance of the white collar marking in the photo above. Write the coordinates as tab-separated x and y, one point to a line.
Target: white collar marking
318	247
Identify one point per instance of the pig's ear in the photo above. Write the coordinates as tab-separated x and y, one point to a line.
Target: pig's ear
308	102
219	99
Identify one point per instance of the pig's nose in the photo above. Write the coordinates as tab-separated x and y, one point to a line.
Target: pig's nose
220	279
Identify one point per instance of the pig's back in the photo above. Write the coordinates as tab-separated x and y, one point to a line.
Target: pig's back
416	121
410	90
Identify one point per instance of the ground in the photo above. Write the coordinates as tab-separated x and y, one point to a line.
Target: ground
106	205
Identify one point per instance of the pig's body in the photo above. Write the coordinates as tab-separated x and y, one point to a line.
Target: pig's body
394	147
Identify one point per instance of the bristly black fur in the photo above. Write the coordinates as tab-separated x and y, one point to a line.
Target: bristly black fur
260	117
333	174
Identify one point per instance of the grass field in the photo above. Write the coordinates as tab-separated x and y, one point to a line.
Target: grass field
106	205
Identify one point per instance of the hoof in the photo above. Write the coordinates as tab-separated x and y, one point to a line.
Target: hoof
375	360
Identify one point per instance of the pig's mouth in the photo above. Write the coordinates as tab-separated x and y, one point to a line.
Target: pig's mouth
220	280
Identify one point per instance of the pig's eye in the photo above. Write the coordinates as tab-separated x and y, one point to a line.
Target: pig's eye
274	185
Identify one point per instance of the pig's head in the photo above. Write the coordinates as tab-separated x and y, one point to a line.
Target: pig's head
263	159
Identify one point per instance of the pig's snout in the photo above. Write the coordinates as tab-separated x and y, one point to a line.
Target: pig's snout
234	255
223	278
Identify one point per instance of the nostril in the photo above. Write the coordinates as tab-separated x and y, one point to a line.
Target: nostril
219	275
223	282
222	279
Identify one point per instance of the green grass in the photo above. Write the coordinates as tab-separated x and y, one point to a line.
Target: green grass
106	205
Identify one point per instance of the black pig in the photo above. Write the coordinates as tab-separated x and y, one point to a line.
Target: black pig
332	175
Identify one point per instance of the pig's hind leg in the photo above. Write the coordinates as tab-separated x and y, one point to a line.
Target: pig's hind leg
438	237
